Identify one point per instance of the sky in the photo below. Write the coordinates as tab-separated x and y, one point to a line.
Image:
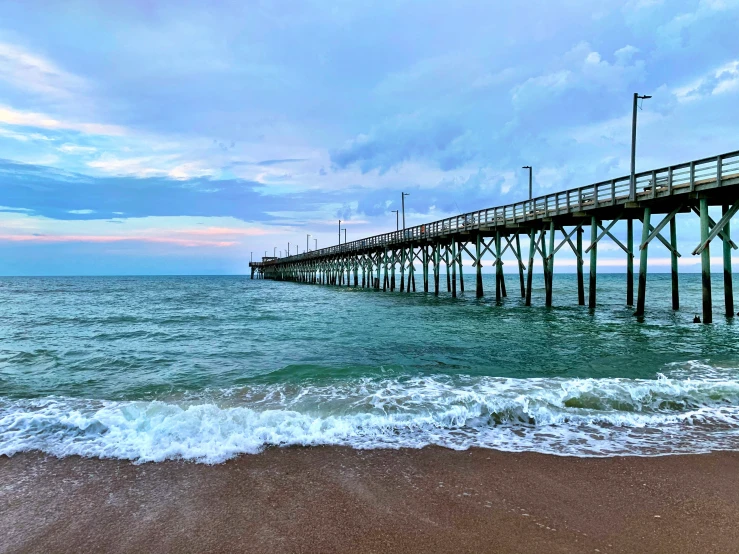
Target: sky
154	137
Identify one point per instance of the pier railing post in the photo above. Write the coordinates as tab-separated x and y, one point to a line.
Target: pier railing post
593	262
643	260
728	285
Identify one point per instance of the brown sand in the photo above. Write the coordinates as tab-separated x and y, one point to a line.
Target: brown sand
341	500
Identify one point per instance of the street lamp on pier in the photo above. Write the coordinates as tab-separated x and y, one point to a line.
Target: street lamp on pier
632	181
402	202
339	232
397	225
316	241
531	180
307	247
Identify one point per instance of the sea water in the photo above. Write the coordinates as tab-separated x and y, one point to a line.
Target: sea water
207	368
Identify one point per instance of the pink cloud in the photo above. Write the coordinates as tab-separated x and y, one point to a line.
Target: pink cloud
216	231
50	239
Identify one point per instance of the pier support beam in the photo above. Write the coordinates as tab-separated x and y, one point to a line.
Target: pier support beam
643	259
530	275
520	266
630	262
705	263
593	262
392	274
580	263
461	273
436	268
498	268
673	264
425	269
478	267
728	285
454	268
402	268
446	263
550	265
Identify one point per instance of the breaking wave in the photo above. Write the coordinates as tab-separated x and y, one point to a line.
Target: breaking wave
691	408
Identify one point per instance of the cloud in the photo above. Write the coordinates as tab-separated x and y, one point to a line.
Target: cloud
581	68
35	74
404	138
10	116
723	80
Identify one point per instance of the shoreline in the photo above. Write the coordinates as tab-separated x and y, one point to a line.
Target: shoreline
337	499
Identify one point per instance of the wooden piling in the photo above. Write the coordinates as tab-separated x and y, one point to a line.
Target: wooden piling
580	263
728	285
436	268
593	262
530	275
446	263
498	268
478	262
425	269
630	262
643	259
705	263
392	272
673	264
550	265
520	266
461	274
454	268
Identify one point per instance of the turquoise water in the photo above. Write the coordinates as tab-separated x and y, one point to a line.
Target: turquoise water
205	368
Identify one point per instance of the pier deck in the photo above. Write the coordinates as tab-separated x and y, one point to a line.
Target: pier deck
684	188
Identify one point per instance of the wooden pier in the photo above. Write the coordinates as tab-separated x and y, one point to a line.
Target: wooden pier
551	222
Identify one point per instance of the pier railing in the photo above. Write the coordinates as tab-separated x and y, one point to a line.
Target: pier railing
677	179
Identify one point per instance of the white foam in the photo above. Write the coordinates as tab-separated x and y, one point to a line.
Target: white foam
696	411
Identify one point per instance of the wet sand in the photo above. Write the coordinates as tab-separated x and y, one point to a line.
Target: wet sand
327	499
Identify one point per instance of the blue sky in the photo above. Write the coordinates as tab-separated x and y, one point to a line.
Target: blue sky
177	137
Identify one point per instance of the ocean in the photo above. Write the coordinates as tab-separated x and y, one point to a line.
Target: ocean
208	368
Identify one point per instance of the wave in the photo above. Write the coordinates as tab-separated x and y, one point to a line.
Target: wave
694	408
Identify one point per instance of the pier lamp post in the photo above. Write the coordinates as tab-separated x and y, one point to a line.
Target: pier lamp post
402	203
397	225
344	229
316	241
531	180
339	232
251	257
274	254
307	238
288	249
265	253
632	181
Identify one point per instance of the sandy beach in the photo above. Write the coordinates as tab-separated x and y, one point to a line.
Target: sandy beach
327	499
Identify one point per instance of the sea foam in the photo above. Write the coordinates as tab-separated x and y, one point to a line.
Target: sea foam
690	411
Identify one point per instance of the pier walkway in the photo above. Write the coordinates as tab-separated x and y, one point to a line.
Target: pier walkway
550	222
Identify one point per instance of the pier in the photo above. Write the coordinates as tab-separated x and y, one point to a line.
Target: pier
649	201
